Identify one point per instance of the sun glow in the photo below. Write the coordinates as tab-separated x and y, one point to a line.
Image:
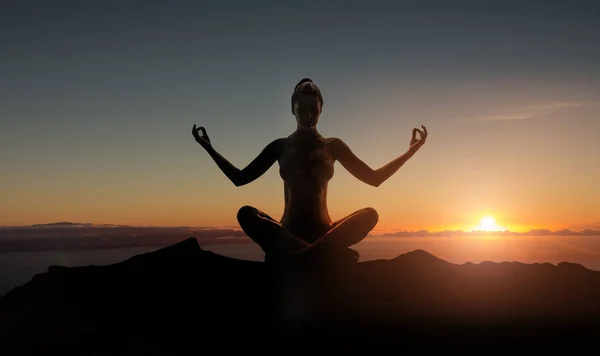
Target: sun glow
488	223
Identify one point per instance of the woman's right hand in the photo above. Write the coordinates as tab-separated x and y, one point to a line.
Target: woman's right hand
203	140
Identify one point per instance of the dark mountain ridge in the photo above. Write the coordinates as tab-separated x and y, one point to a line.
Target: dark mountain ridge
182	298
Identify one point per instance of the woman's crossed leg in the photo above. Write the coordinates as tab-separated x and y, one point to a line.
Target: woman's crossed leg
273	237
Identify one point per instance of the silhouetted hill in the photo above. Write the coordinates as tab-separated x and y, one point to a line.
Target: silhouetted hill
63	223
182	298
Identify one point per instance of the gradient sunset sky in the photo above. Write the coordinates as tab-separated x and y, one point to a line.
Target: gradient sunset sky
98	99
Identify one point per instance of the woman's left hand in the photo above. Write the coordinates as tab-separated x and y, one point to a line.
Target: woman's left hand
418	142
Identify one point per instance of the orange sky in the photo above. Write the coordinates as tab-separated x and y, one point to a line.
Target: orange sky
527	180
418	197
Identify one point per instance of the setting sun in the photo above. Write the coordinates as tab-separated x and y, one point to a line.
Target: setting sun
488	223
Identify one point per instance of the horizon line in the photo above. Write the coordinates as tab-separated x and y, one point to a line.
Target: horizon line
384	232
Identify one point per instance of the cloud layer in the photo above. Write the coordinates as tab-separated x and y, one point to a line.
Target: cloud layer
533	232
87	236
70	236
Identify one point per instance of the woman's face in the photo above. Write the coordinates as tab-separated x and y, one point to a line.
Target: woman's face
307	109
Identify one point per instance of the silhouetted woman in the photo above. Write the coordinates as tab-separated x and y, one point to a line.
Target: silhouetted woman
306	161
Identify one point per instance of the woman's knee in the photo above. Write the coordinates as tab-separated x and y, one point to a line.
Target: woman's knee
371	215
245	213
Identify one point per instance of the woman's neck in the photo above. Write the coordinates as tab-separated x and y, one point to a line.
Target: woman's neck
306	132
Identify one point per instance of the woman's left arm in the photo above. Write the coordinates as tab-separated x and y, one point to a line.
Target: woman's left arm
366	174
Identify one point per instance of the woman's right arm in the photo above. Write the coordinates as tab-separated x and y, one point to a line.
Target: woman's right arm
267	157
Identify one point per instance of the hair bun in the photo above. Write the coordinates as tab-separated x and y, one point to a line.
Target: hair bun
306	86
304	80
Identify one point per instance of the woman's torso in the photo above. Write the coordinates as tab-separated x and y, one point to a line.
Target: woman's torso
306	164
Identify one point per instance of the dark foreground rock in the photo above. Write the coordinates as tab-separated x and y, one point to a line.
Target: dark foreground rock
182	299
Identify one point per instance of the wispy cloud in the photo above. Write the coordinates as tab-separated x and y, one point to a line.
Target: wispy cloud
529	111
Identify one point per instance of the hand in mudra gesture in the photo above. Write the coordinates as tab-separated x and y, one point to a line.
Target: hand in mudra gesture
203	140
418	142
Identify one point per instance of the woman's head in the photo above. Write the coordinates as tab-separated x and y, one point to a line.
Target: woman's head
307	103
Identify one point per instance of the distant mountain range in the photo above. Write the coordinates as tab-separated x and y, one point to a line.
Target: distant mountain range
67	223
63	223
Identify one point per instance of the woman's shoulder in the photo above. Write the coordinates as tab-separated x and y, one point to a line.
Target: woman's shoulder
276	146
335	144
